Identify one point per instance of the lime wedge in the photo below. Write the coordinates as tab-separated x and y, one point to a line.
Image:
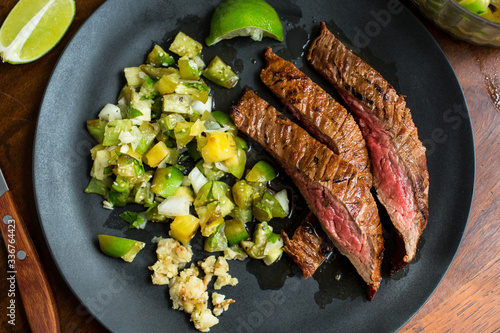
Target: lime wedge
33	28
253	18
118	247
478	7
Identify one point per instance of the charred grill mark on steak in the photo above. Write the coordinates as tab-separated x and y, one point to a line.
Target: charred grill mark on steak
309	245
398	157
326	119
350	216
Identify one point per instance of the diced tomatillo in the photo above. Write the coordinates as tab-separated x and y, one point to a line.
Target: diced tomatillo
96	128
261	172
217	241
236	164
118	247
242	194
220	73
159	57
113	129
235	231
184	45
166	181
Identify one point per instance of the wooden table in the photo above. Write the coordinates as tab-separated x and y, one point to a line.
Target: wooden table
468	298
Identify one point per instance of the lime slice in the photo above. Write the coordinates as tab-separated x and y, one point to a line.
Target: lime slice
33	28
118	247
478	7
253	18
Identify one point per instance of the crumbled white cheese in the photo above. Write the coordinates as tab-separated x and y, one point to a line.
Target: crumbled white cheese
172	256
221	269
220	303
187	291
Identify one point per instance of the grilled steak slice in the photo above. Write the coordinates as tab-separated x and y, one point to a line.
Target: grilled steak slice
309	245
327	120
331	186
398	157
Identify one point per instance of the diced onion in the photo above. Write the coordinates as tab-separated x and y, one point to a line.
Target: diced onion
221	166
282	197
197	179
175	206
110	112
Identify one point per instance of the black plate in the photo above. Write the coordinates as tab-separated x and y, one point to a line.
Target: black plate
274	299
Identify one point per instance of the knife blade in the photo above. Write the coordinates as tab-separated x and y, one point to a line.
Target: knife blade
24	267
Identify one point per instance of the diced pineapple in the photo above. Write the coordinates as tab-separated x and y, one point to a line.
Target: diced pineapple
183	228
156	154
220	146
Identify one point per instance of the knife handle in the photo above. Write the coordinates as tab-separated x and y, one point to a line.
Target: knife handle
37	297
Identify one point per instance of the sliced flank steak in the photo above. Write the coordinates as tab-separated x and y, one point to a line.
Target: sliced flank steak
332	187
309	245
398	159
326	119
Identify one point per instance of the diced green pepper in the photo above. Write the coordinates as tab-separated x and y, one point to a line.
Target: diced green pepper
118	199
216	241
242	194
96	186
166	181
220	73
235	231
113	130
261	172
121	184
96	128
159	57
